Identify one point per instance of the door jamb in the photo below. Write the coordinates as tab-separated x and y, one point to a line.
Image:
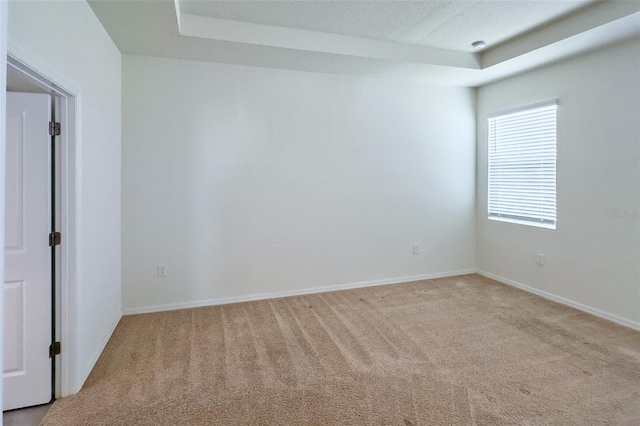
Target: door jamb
67	106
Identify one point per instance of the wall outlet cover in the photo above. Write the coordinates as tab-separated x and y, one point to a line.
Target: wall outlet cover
162	270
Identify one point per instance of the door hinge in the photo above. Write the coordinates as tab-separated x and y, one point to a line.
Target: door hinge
54	349
54	239
54	128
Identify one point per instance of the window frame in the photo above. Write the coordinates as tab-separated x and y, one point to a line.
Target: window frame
538	221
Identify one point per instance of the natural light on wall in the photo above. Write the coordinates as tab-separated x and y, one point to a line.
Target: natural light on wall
522	165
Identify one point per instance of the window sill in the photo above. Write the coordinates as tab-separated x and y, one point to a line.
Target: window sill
523	222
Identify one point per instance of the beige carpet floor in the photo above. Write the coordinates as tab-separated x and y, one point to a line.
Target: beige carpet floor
461	350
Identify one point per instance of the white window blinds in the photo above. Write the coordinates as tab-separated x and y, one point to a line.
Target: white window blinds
522	165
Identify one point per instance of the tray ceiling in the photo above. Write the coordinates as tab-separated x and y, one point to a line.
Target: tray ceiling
425	41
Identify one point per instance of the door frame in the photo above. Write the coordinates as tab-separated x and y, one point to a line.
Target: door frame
66	101
3	116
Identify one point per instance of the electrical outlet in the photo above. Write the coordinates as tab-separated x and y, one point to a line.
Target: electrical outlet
162	270
540	259
416	249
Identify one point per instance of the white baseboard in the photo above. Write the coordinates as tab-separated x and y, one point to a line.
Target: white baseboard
98	352
585	308
273	295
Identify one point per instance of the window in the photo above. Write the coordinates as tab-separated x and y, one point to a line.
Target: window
522	165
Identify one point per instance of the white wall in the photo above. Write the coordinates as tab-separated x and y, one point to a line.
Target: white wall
67	39
248	181
591	258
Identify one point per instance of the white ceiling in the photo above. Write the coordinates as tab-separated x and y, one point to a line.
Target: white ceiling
452	25
17	81
421	41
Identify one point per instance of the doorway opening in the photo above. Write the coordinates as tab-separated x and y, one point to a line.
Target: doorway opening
25	75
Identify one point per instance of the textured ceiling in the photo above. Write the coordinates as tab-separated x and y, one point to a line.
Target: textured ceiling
418	41
452	25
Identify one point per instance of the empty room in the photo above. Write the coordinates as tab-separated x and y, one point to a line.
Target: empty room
320	212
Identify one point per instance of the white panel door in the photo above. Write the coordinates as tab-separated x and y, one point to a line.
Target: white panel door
27	256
